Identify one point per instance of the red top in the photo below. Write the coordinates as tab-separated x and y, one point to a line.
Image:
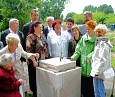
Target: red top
9	84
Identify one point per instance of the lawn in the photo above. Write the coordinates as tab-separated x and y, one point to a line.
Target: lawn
111	35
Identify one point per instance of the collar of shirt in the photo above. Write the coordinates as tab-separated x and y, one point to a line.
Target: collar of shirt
50	28
12	31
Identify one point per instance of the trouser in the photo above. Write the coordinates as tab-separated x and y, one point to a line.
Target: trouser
87	86
99	89
32	78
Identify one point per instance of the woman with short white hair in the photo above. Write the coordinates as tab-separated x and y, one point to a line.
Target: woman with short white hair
8	83
15	49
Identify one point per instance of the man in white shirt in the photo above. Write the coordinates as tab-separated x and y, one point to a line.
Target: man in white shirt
49	28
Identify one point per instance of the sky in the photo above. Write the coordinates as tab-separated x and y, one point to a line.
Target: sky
77	6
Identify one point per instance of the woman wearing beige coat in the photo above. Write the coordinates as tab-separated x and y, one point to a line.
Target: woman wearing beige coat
14	47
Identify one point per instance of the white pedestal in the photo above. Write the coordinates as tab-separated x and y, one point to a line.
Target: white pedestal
60	84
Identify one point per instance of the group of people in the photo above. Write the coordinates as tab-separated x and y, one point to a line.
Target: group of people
86	44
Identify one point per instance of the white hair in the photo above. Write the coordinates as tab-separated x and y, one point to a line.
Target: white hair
5	59
50	18
101	27
13	20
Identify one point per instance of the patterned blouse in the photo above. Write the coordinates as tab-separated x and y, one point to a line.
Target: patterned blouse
35	44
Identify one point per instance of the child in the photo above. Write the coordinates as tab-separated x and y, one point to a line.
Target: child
9	85
73	42
101	60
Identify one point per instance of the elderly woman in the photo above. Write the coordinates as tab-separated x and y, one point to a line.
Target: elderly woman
35	43
8	83
101	60
57	41
84	49
15	49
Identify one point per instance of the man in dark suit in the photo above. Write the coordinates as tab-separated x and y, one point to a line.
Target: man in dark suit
34	14
49	28
13	28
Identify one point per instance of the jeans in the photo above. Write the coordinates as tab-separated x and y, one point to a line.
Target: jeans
99	89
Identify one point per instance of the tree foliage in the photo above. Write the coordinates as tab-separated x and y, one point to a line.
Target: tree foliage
52	8
78	18
99	17
102	8
110	19
19	9
103	14
90	8
70	15
105	8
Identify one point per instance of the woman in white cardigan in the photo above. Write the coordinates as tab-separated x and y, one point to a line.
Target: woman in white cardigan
14	47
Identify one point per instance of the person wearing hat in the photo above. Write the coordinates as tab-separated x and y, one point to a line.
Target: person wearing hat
9	85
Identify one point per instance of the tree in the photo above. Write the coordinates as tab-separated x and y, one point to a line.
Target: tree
69	15
99	17
110	19
105	8
52	8
90	8
78	18
19	9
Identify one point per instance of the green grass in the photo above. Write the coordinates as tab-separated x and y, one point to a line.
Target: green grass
113	62
111	36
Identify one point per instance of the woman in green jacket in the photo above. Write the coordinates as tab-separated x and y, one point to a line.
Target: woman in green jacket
85	49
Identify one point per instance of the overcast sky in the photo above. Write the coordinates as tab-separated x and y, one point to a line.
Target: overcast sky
77	6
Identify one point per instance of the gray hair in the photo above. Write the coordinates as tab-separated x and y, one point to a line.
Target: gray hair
5	59
35	10
89	13
12	38
50	18
13	20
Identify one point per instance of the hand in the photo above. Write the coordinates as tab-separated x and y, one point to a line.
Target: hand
21	81
36	55
71	58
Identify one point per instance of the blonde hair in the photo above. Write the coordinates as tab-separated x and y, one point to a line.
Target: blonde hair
101	27
12	39
5	59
